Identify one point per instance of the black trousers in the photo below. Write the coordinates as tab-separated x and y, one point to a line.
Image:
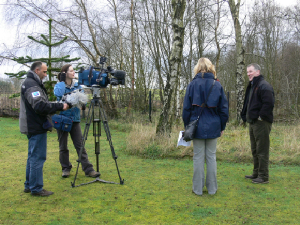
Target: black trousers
260	145
76	137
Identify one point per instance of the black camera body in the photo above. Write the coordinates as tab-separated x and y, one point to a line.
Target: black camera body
95	76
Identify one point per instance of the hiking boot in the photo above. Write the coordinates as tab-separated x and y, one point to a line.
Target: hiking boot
259	181
65	174
93	173
43	193
27	190
250	177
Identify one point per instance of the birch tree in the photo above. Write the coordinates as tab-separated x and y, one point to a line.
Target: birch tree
240	57
166	117
132	56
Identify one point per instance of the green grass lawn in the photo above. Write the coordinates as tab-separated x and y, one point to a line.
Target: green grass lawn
156	191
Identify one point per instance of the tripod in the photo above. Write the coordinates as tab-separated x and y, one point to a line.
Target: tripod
97	103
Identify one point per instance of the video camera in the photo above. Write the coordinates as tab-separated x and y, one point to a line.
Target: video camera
100	76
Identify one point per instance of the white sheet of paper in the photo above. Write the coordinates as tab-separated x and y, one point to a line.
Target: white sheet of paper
181	141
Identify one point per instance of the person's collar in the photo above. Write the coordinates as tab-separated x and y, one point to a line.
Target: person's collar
257	78
205	75
36	77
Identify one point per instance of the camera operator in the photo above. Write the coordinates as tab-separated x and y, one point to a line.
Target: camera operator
67	84
34	121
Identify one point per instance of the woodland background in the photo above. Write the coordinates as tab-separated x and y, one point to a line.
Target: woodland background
138	37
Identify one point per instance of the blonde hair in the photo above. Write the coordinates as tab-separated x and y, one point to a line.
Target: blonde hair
204	65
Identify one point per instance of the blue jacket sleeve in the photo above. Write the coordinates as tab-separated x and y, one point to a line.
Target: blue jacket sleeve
223	109
187	107
59	90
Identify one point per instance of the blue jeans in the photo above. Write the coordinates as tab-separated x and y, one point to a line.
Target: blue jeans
37	149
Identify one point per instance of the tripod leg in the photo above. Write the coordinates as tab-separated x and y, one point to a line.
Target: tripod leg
97	134
96	125
106	128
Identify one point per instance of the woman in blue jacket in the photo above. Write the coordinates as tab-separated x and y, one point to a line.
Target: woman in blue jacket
211	123
66	85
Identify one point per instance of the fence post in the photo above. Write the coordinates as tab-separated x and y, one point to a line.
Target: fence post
228	105
150	106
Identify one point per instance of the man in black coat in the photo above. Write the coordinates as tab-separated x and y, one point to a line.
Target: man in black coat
258	112
34	121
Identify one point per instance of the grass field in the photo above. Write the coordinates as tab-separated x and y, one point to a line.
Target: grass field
156	191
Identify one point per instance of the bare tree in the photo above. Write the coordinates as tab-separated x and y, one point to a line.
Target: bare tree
142	38
240	57
166	118
132	56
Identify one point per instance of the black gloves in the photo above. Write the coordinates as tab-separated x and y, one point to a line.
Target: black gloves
83	107
62	77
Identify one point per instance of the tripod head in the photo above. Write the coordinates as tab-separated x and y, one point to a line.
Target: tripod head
95	91
94	88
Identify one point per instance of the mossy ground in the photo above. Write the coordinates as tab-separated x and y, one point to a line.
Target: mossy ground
156	191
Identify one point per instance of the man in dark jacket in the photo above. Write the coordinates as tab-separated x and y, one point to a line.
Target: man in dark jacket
258	112
34	121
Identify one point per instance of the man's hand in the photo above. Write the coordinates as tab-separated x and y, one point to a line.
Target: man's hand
222	132
83	107
66	106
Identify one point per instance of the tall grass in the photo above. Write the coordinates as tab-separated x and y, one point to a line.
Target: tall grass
233	146
142	141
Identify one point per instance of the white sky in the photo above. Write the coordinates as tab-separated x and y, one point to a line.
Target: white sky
286	2
7	36
7	39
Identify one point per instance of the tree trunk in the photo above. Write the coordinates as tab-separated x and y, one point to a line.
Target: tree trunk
216	36
114	6
132	61
240	57
165	120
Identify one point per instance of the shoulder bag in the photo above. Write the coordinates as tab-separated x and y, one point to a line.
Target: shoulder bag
62	123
